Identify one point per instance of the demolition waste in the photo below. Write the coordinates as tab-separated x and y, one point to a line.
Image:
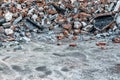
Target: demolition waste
58	22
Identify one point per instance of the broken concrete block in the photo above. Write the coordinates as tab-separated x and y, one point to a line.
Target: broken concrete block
101	22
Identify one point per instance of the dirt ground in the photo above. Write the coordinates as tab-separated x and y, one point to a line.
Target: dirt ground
41	61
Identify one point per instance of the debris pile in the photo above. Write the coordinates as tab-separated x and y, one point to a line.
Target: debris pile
23	21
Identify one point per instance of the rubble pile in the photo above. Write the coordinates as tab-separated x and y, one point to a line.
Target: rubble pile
23	21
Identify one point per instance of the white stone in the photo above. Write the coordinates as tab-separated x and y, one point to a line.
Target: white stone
34	17
8	16
19	6
41	8
77	24
30	11
8	31
84	24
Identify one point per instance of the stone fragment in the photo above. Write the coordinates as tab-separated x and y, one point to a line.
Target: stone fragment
58	9
118	20
67	26
9	31
74	37
35	24
34	17
111	6
77	25
101	22
8	16
60	36
2	21
51	19
72	45
117	7
116	40
17	20
101	43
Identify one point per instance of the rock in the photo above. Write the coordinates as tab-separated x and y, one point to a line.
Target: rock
9	31
111	6
60	36
25	39
98	35
58	9
84	23
66	33
34	17
77	24
72	45
67	26
101	43
6	25
118	20
17	20
8	16
64	18
74	37
117	6
2	21
19	7
88	28
76	31
35	24
116	40
103	21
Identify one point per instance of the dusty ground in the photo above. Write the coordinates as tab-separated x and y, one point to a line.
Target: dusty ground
41	61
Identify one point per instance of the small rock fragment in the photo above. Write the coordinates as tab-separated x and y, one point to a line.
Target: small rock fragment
101	43
72	45
8	16
116	40
9	31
